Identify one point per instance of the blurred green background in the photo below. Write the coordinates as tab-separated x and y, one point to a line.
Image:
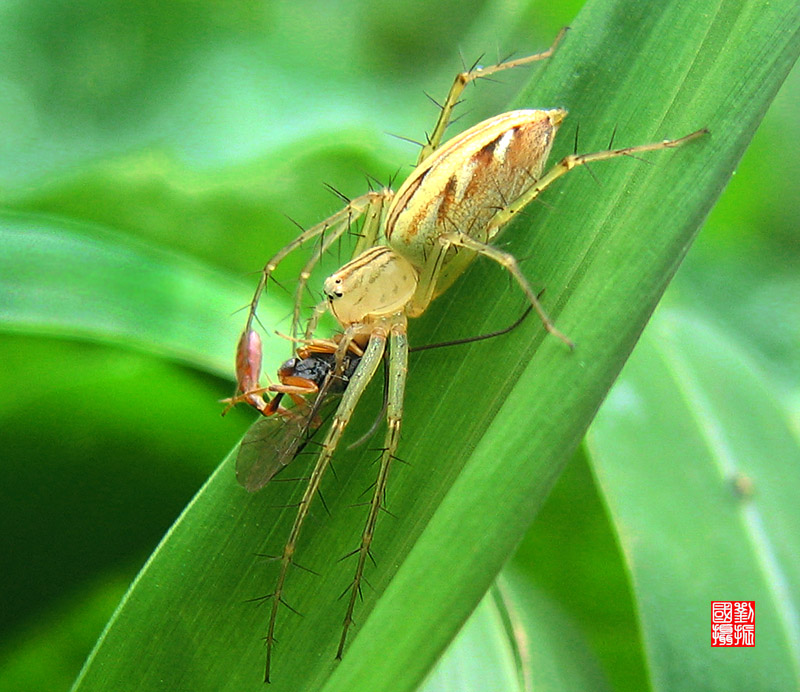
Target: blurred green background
186	132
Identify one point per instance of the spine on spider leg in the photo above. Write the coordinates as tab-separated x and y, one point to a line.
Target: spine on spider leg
358	382
370	205
335	225
398	365
328	447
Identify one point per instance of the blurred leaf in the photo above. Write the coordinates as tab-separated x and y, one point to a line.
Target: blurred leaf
46	654
654	71
150	194
215	84
68	279
700	470
101	449
516	640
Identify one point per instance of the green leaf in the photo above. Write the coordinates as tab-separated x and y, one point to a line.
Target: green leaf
697	462
571	556
487	429
517	639
482	656
77	280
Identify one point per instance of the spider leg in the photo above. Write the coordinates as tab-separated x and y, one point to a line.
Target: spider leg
460	83
436	260
358	383
371	230
336	224
507	260
398	367
503	216
372	210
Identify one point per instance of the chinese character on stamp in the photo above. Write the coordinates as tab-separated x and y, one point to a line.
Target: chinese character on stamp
733	623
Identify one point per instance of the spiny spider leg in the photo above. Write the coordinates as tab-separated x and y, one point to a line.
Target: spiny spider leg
358	382
460	83
398	365
509	262
503	216
334	225
369	235
248	352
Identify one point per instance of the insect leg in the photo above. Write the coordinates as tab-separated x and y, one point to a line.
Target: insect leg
358	383
248	370
460	83
398	367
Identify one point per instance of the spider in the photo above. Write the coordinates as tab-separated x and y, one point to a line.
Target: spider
414	243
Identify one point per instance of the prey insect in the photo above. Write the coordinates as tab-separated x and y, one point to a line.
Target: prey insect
413	244
274	440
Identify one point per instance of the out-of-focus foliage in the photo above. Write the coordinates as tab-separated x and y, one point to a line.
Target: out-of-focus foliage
190	130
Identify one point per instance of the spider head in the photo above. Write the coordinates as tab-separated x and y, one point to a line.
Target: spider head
377	283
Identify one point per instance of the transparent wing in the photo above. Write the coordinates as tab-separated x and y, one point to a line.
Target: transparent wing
273	441
268	446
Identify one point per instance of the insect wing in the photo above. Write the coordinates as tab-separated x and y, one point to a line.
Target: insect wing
268	446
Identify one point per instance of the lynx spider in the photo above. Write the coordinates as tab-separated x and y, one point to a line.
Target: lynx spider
414	243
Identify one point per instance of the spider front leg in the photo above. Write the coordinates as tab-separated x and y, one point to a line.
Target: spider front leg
460	83
368	236
358	383
398	368
331	229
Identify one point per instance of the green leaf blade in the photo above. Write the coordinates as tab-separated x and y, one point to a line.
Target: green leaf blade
704	504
